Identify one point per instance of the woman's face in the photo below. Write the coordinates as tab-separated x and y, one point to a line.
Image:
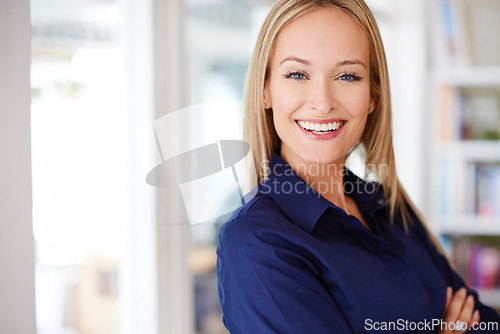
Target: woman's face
319	87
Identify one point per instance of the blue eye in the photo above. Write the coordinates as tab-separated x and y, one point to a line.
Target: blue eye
296	76
349	77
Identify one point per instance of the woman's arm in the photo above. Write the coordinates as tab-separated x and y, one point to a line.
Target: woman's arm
454	280
267	284
459	307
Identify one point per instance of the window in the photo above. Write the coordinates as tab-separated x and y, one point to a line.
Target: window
79	154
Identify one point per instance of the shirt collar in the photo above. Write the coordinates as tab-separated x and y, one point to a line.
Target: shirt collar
304	205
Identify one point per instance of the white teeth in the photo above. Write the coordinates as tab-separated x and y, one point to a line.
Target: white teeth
316	127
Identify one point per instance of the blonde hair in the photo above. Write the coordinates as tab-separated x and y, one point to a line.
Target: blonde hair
376	140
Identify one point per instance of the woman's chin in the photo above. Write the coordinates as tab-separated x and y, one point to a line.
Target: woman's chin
312	154
320	158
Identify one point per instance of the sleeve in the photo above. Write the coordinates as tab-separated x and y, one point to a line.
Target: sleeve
454	280
267	283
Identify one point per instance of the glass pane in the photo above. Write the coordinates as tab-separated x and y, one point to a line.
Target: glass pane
79	159
220	39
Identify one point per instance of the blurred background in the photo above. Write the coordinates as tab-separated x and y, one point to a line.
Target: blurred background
106	73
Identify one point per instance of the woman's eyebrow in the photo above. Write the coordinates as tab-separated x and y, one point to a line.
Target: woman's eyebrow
351	62
340	63
297	59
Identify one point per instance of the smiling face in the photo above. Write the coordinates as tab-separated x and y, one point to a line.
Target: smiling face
319	87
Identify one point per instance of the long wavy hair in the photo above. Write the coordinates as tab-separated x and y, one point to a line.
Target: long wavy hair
376	140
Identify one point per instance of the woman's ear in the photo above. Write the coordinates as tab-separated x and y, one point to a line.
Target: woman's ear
372	105
267	97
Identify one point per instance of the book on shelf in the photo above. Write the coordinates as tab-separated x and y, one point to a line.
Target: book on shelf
446	184
450	119
465	33
478	264
480	115
487	189
472	191
469	113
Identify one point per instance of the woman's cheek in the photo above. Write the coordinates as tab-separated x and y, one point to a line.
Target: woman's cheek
287	99
357	104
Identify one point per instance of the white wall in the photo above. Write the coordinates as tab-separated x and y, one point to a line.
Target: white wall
156	284
408	71
175	286
17	297
402	25
138	281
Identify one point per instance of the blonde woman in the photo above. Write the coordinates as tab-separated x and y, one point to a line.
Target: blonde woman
319	250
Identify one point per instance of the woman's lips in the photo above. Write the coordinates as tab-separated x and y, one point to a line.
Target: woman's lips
321	129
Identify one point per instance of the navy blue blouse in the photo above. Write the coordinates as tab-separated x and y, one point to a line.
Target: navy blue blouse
290	261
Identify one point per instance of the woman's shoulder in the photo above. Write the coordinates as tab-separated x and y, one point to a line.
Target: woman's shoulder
258	217
259	210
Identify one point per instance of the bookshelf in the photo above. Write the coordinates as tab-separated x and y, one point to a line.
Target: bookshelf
464	150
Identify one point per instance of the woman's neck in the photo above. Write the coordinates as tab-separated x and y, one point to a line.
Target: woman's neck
326	179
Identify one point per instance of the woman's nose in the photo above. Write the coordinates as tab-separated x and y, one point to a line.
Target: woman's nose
322	98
